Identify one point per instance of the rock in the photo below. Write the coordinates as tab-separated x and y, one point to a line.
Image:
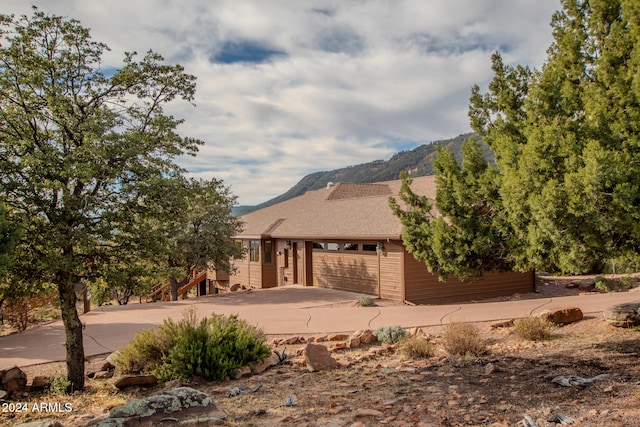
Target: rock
111	359
3	394
503	324
40	382
368	413
366	337
353	342
265	364
319	338
46	423
136	380
623	315
243	371
186	405
14	380
98	366
235	287
563	316
337	337
317	358
103	375
338	346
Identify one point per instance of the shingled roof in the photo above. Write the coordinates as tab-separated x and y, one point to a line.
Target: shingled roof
343	210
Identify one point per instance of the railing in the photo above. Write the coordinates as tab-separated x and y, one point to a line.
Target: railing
161	291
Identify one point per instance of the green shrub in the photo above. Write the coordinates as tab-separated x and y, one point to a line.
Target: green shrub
533	328
366	301
60	386
416	348
210	348
463	339
390	334
605	285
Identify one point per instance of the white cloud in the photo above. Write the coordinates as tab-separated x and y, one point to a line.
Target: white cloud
355	80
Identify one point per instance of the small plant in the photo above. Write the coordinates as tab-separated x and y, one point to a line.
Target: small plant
605	285
533	328
60	385
366	301
463	339
415	347
390	334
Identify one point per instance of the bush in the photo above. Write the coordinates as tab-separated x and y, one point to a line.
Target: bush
390	334
210	348
619	284
463	339
605	285
366	301
416	348
533	328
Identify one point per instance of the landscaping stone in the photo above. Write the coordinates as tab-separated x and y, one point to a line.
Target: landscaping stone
243	371
337	337
624	315
563	316
185	405
103	375
13	379
317	358
366	337
353	342
136	380
40	382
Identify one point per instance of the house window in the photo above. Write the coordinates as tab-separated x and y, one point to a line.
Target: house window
350	247
333	246
254	251
369	247
268	251
318	246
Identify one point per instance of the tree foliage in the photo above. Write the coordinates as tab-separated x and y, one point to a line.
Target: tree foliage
567	145
78	146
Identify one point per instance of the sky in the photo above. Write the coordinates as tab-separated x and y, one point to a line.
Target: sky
290	87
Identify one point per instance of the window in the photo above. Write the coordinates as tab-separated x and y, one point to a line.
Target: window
350	247
369	247
254	250
333	247
318	246
268	251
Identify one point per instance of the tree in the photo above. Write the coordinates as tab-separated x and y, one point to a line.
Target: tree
199	233
466	235
566	140
8	237
76	146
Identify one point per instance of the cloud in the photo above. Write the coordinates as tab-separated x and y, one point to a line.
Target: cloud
288	88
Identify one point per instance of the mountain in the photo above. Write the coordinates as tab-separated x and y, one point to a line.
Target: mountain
417	162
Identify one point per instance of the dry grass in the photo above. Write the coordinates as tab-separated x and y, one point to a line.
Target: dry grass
533	328
463	339
415	347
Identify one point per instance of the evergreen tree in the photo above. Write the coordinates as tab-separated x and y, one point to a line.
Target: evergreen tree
567	147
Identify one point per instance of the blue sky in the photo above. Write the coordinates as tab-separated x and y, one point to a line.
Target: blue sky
290	87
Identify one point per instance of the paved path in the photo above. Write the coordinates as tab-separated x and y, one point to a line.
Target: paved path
281	311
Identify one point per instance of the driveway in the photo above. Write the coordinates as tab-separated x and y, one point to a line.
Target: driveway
290	310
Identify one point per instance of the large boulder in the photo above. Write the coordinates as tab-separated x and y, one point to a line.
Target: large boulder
317	358
183	405
623	315
136	381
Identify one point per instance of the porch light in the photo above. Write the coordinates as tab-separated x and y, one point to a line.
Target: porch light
287	244
380	247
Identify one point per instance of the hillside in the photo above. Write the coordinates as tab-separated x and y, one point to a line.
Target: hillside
417	162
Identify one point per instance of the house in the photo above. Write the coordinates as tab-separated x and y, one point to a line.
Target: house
346	237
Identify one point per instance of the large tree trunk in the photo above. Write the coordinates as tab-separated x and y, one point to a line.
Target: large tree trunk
173	288
73	331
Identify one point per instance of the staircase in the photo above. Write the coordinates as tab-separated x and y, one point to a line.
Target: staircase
162	293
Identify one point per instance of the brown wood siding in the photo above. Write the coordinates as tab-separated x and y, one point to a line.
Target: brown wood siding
391	272
269	275
241	273
355	272
423	287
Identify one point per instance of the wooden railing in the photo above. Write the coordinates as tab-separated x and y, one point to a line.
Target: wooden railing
162	291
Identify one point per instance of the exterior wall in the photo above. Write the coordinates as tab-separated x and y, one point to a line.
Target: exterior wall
391	277
356	271
422	287
249	273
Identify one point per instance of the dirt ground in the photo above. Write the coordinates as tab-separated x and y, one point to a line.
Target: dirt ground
511	381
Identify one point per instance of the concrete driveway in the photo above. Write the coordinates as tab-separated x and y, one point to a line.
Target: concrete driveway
280	311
